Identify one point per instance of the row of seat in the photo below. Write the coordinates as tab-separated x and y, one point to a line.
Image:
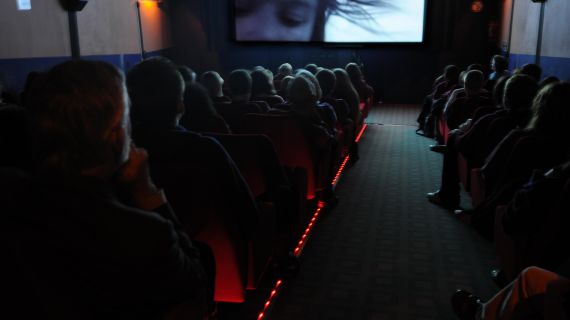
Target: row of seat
274	157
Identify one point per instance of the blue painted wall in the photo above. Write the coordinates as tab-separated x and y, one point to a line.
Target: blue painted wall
15	71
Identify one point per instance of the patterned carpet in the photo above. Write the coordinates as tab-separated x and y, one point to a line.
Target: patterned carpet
385	252
394	114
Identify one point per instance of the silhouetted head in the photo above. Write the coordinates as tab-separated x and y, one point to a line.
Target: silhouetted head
499	63
156	89
550	110
327	80
476	66
79	119
262	83
520	91
197	103
314	82
212	81
187	74
353	70
302	92
285	69
312	68
239	83
451	73
474	81
342	78
532	70
546	81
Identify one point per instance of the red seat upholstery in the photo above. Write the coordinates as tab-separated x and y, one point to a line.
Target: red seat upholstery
291	145
443	128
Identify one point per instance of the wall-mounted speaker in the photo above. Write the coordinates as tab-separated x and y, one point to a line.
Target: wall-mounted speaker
538	0
73	5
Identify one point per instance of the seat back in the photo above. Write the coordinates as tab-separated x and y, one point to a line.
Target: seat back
289	141
204	189
257	160
232	112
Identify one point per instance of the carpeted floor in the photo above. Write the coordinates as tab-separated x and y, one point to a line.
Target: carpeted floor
395	114
385	252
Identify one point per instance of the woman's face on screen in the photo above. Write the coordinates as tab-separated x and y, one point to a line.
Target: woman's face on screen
275	20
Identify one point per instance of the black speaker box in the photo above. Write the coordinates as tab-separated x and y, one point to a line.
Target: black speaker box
73	5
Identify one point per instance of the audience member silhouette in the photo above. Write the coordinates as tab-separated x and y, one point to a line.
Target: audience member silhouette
546	81
542	144
239	83
477	142
325	110
96	238
345	90
462	108
433	103
262	87
214	83
533	229
499	68
284	70
532	70
199	112
187	74
486	133
365	91
312	68
303	96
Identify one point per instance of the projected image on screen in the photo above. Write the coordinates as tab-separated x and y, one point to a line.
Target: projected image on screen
356	21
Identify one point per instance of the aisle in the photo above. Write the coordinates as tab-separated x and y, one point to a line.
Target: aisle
385	252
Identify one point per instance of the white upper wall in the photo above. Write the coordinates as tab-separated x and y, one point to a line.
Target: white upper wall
526	19
105	27
556	28
556	34
40	32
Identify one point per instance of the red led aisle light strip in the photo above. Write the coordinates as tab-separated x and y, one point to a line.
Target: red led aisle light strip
269	300
337	176
361	132
305	236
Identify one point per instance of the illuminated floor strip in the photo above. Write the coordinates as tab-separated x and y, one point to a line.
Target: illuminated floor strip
270	299
361	133
303	241
305	236
335	180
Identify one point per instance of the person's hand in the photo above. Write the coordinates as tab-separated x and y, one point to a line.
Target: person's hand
134	178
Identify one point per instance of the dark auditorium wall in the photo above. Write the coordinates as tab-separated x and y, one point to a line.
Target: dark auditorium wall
108	30
202	38
554	55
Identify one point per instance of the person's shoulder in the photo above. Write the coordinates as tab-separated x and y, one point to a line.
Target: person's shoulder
148	231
